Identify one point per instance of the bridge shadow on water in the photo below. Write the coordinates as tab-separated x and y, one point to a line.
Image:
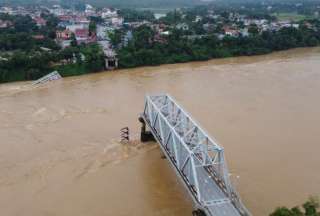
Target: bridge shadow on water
164	192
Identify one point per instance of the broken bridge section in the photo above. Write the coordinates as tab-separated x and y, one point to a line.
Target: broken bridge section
197	159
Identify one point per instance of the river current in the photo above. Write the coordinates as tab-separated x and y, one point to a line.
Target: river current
59	143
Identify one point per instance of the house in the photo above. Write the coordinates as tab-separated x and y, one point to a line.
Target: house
45	49
3	59
220	36
65	18
63	35
82	35
165	33
230	32
82	20
198	19
244	32
63	24
74	27
102	32
40	21
5	23
108	13
57	10
295	25
183	26
308	25
38	37
65	43
117	21
6	10
260	21
128	37
90	10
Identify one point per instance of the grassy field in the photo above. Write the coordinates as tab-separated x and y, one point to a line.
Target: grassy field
290	16
157	10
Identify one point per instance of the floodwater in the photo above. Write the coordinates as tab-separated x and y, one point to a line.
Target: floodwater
59	143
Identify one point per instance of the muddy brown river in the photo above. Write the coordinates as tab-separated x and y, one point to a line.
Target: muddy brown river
59	143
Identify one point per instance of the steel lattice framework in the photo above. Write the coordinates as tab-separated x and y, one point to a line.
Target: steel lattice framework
198	160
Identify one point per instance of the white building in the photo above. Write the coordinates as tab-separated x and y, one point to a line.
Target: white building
90	10
102	32
117	21
183	26
73	27
6	10
108	13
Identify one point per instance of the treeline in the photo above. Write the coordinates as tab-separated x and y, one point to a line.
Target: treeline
23	32
70	61
131	15
108	3
23	56
310	208
305	7
20	50
177	47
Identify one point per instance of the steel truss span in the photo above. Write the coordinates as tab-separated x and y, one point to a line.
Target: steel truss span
197	159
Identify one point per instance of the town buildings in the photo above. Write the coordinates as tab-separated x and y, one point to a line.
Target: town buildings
74	25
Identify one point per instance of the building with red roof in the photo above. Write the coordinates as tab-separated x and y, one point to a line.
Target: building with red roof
63	35
82	35
40	21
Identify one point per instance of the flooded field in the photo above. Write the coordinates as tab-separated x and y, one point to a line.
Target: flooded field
59	143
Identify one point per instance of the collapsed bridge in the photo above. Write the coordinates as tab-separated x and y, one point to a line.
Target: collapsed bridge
197	159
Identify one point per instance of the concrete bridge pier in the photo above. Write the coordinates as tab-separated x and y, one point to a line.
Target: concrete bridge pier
145	136
198	212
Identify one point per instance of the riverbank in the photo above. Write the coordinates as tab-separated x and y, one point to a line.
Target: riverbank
144	51
290	53
294	52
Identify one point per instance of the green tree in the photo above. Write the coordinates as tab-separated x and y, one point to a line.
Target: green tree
74	42
116	37
92	27
310	209
253	29
143	37
131	15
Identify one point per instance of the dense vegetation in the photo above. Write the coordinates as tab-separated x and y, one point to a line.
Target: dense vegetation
71	61
306	7
309	209
143	50
113	3
21	35
25	58
279	5
130	15
29	52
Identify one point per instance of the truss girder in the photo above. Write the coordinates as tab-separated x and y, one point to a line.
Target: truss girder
197	157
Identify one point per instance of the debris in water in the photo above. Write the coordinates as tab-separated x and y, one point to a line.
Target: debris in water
124	133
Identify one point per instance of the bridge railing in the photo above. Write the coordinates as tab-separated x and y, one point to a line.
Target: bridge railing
198	158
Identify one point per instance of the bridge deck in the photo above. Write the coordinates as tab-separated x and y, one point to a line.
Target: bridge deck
197	159
223	205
